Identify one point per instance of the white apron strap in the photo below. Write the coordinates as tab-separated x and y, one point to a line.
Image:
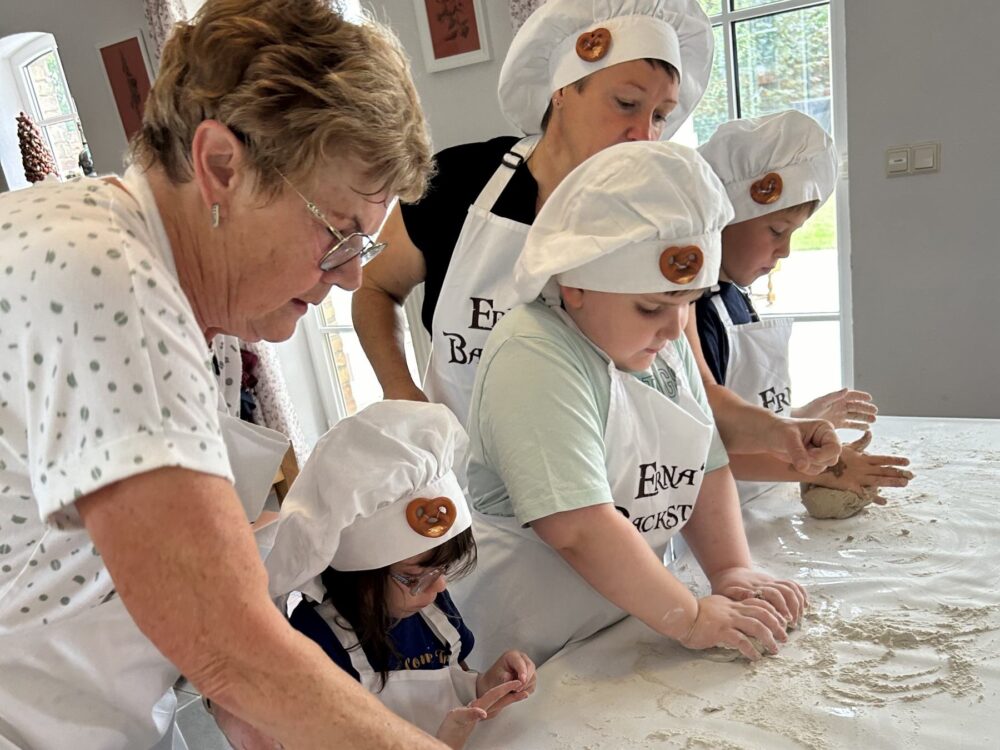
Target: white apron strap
442	627
349	640
518	154
720	307
433	615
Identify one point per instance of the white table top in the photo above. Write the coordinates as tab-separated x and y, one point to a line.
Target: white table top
900	649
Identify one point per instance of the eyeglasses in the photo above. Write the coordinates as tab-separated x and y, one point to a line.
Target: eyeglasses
417	584
345	248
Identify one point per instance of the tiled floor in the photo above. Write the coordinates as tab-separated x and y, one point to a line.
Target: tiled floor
198	728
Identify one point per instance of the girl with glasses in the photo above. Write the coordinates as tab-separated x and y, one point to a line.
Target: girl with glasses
371	532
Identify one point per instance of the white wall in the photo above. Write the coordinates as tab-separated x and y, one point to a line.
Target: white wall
79	29
925	249
461	103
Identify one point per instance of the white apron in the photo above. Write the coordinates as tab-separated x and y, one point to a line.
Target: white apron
255	454
523	594
757	371
94	681
421	696
479	274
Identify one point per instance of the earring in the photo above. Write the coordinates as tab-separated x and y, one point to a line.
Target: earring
215	216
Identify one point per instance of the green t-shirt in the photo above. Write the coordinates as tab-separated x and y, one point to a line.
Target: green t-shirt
538	414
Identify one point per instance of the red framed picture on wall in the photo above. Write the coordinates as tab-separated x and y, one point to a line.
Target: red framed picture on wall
128	75
452	33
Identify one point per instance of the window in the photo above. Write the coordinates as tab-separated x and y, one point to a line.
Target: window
354	381
53	110
772	55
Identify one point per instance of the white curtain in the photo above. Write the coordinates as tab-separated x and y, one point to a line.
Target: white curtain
161	15
274	405
521	9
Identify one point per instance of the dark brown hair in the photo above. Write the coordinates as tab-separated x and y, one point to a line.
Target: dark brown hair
360	597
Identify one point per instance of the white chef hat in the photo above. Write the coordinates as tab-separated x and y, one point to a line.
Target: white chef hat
378	488
772	162
638	218
543	56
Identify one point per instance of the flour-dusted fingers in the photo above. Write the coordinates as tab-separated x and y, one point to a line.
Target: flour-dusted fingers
501	704
768	614
793	596
860	406
749	647
861	443
772	601
754	628
519	665
775	597
531	684
854	423
889	477
851	395
496	699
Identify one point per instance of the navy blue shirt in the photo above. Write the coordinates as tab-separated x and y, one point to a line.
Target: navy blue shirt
416	643
435	222
711	331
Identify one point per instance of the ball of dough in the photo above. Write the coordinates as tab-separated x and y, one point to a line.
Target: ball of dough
825	502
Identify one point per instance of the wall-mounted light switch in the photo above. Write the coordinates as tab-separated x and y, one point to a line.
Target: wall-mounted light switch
926	157
917	158
897	161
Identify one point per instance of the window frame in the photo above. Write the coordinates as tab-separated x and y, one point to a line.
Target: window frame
728	19
316	329
19	63
330	393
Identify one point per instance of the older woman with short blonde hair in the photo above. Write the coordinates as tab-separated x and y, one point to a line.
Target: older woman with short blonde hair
274	139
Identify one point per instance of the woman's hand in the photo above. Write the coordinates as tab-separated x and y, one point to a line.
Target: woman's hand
459	722
786	598
512	666
721	621
857	470
843	408
809	445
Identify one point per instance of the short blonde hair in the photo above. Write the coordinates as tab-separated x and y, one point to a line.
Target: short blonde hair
299	85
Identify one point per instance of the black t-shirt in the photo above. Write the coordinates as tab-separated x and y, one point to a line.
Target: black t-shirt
416	643
711	331
435	223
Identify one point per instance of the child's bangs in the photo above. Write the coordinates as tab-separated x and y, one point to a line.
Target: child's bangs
458	555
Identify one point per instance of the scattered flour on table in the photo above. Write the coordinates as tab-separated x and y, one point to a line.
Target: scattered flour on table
948	632
891	657
691	742
726	653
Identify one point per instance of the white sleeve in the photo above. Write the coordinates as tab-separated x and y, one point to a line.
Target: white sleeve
117	376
